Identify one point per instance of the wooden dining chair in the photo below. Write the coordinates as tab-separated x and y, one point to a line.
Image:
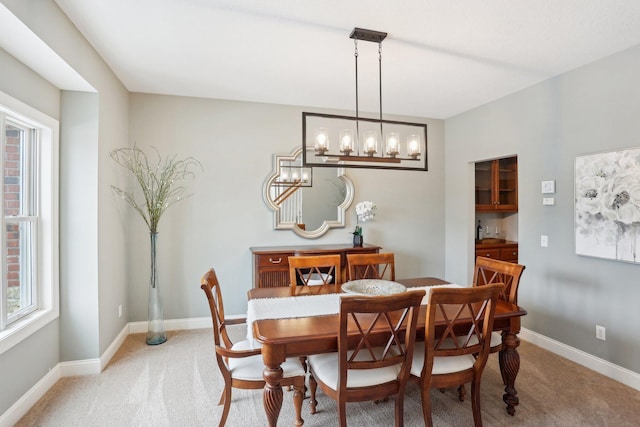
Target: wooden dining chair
240	365
456	345
371	266
361	370
309	270
489	271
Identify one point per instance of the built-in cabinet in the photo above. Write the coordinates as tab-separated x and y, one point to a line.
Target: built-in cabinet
496	190
507	251
271	263
496	185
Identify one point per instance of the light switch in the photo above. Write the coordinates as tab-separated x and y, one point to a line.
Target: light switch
548	201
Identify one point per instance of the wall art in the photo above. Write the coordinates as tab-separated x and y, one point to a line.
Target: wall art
607	205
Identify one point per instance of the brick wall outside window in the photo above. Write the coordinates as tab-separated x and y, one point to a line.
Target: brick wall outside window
12	192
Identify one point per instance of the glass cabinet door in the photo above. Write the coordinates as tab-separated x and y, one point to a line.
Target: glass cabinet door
496	185
484	185
507	184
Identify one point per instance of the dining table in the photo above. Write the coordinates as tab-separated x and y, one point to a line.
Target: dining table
294	330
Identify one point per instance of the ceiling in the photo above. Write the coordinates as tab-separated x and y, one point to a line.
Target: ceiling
440	58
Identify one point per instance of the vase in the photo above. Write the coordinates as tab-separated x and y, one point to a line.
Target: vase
156	333
357	240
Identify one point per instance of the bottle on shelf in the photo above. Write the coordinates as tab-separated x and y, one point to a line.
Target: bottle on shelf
479	231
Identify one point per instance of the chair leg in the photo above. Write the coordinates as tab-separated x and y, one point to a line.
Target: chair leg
313	385
298	397
226	399
400	409
461	393
475	403
342	413
426	406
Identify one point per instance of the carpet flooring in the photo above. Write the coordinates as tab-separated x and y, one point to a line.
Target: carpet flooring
178	384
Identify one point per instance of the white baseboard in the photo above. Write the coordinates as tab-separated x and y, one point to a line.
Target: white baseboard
30	398
95	366
608	369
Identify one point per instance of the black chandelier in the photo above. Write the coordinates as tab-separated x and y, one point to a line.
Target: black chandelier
359	139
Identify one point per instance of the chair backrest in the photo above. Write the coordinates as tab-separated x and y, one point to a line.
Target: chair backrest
387	316
371	266
464	316
211	287
315	270
489	271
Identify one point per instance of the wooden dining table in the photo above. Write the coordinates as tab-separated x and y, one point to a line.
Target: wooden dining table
302	336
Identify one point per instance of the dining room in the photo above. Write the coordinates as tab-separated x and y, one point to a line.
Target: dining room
425	217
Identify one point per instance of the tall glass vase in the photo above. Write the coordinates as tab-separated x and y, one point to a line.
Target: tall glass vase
156	333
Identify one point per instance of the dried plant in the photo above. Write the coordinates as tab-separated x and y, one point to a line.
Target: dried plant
160	182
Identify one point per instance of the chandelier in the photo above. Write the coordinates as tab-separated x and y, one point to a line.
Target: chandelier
354	141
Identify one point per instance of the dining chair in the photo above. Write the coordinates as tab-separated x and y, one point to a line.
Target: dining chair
310	270
488	271
362	370
240	365
371	266
456	344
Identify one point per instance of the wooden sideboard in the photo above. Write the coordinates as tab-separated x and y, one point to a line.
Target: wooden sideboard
507	251
271	263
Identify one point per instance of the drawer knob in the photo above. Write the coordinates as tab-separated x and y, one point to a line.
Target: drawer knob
275	261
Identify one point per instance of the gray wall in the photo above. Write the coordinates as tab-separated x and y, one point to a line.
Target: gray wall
591	109
226	215
26	363
92	255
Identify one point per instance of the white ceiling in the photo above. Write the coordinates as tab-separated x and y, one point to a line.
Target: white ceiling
441	57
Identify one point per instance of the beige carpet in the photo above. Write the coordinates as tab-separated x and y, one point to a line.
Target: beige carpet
178	384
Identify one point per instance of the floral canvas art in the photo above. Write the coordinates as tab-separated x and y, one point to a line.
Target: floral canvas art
607	200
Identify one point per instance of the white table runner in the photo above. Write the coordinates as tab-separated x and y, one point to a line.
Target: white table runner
306	306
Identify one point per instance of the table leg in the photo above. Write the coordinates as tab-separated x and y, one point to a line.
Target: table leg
272	396
509	367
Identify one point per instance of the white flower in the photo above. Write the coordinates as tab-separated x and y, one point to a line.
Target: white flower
365	211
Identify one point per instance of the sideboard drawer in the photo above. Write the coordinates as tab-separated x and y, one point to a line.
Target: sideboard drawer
509	254
278	259
488	253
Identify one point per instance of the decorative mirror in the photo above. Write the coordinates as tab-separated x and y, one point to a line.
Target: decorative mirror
305	200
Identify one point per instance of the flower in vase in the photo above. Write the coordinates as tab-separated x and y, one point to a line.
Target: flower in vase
365	211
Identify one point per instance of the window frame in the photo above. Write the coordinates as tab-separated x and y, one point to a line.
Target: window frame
44	220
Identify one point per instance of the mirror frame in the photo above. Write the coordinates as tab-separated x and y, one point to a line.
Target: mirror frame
326	225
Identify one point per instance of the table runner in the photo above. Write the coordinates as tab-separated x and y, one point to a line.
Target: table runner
306	306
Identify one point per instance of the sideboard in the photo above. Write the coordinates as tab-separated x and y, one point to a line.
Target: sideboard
271	263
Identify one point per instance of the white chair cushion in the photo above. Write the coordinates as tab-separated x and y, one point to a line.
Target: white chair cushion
325	369
317	279
251	368
496	339
441	365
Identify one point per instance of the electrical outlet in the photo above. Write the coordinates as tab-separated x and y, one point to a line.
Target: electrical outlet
601	333
120	310
544	241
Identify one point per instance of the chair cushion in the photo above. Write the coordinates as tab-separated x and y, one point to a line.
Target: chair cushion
251	368
325	369
441	365
496	339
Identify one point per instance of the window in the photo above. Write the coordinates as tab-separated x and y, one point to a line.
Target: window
28	176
